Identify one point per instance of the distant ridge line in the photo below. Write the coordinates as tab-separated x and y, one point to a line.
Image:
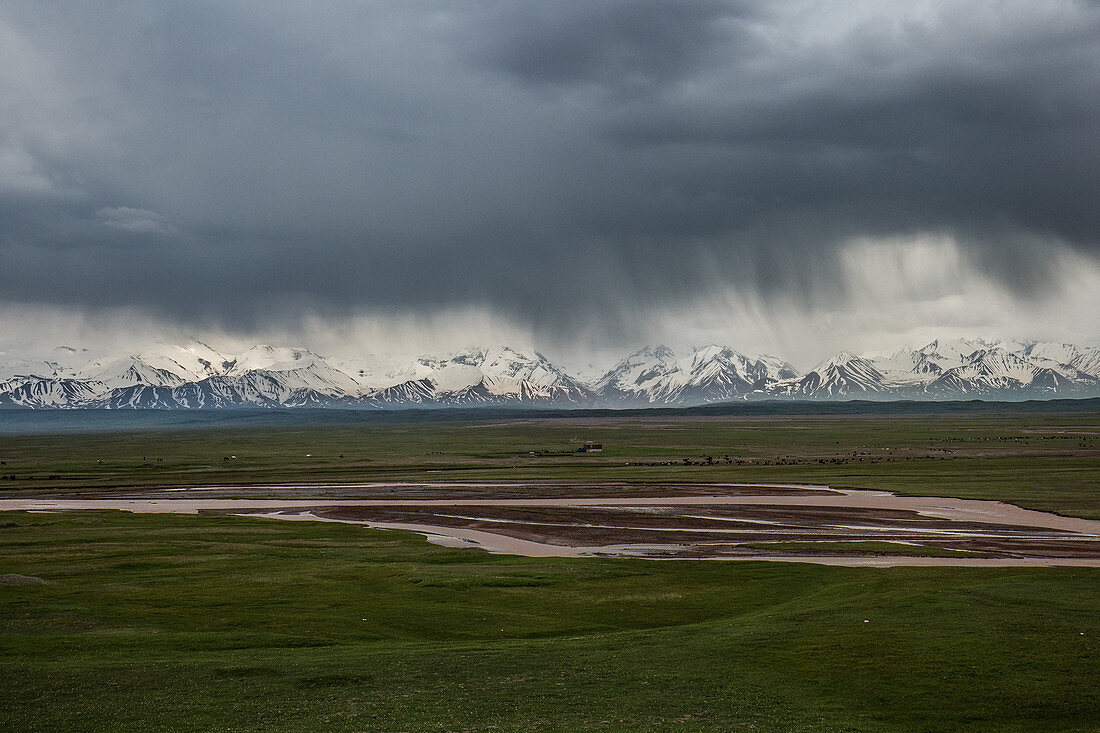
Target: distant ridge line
198	377
47	422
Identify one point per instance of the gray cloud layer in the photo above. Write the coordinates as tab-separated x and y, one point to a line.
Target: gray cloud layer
242	163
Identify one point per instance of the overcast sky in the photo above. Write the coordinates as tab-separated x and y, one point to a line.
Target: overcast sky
784	176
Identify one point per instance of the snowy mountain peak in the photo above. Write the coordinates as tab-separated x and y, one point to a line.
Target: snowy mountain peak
271	358
843	375
1088	362
839	360
776	368
1053	352
130	370
195	360
477	375
957	350
645	372
660	351
709	373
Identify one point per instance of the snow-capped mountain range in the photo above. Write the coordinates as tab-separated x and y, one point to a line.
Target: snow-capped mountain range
708	374
168	376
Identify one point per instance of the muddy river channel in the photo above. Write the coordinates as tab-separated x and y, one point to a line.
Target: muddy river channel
785	522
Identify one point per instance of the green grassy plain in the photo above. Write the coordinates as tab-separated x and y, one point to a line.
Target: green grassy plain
1047	462
223	623
170	622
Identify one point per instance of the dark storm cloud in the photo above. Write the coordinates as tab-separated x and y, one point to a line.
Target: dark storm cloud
242	163
623	44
